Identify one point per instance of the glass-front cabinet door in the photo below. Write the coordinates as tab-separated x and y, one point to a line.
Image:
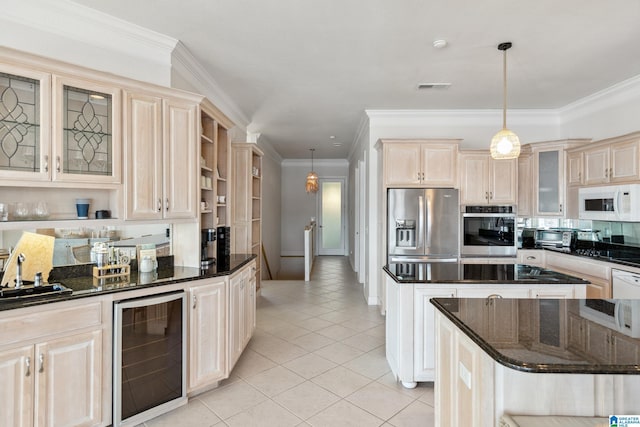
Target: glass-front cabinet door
25	122
87	132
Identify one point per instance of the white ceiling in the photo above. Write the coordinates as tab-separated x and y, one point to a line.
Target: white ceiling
304	70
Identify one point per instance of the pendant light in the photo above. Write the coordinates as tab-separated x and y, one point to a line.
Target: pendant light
312	177
505	144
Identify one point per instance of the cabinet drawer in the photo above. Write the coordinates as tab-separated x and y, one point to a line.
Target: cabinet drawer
578	266
24	327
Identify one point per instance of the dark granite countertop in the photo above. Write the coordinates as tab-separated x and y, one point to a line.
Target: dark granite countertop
543	339
452	272
86	285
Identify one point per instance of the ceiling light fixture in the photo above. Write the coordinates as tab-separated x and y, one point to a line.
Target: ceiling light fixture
312	177
505	144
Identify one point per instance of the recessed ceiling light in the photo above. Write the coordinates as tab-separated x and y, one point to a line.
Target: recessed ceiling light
434	85
337	144
439	44
332	137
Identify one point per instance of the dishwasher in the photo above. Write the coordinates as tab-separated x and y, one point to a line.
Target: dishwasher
625	284
149	357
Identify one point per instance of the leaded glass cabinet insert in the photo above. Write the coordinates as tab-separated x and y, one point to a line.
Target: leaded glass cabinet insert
87	134
19	123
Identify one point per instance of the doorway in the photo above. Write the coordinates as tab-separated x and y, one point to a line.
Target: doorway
331	217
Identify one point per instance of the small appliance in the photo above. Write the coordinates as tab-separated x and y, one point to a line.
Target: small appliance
555	238
207	238
223	249
610	203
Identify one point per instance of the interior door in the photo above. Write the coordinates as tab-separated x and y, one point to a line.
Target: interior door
331	217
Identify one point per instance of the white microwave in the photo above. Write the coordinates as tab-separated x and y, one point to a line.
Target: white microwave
611	203
622	315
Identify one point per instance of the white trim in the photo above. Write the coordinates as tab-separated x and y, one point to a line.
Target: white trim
316	162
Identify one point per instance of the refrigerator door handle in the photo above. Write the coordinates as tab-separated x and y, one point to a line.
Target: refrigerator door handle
420	230
429	223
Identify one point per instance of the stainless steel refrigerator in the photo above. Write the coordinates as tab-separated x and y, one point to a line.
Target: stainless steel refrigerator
423	225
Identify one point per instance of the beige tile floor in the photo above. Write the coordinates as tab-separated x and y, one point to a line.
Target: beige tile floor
316	359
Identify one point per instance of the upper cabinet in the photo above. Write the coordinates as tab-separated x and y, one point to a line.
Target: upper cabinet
161	151
525	178
55	128
613	161
486	181
420	163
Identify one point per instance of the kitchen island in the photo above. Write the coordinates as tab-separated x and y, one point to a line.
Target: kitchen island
567	359
410	317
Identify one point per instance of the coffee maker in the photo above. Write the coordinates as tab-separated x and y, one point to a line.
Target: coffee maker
207	238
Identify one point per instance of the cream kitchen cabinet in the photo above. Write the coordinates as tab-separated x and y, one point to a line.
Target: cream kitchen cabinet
51	363
63	129
575	159
161	138
525	178
613	162
207	333
242	308
596	272
420	163
485	181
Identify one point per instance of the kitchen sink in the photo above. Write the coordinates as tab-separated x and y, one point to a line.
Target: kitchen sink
30	291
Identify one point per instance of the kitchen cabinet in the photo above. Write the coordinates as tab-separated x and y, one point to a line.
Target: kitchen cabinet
575	160
246	207
596	272
207	333
577	337
549	164
161	146
51	362
420	163
615	160
62	129
485	181
242	305
525	178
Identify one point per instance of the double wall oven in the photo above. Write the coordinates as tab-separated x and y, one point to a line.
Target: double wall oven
488	231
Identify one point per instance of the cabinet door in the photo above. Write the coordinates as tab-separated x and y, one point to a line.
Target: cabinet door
626	351
207	334
237	307
598	341
143	142
16	387
525	180
424	332
574	168
250	324
438	166
504	181
596	166
86	131
402	165
180	156
474	173
69	381
25	124
549	181
576	339
625	162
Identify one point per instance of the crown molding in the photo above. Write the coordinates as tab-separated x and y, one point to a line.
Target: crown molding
184	63
74	21
316	162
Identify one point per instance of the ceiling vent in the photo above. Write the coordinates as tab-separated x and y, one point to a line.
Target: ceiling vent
434	86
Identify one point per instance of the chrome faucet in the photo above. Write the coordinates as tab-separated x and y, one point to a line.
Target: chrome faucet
20	260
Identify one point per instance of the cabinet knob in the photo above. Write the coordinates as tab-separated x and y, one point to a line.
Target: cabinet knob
195	301
491	195
58	164
27	363
166	204
41	359
46	163
560	207
159	205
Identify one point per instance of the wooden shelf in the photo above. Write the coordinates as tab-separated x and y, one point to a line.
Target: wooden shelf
206	138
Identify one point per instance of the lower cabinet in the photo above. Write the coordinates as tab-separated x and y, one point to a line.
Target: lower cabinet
242	312
207	333
53	383
596	272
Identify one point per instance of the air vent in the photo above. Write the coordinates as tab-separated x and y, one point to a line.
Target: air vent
434	86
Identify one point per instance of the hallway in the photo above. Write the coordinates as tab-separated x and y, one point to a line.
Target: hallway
316	359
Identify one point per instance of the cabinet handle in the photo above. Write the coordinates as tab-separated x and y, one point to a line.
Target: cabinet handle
58	164
27	362
531	257
423	176
418	176
166	204
41	359
159	205
491	195
46	163
195	300
486	195
560	207
610	172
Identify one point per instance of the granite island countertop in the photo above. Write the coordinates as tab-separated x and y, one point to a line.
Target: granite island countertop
85	285
551	334
454	272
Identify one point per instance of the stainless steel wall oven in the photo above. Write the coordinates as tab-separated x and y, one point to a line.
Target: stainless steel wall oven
149	357
488	231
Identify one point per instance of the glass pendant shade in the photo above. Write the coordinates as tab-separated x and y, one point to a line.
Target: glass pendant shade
312	182
505	144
